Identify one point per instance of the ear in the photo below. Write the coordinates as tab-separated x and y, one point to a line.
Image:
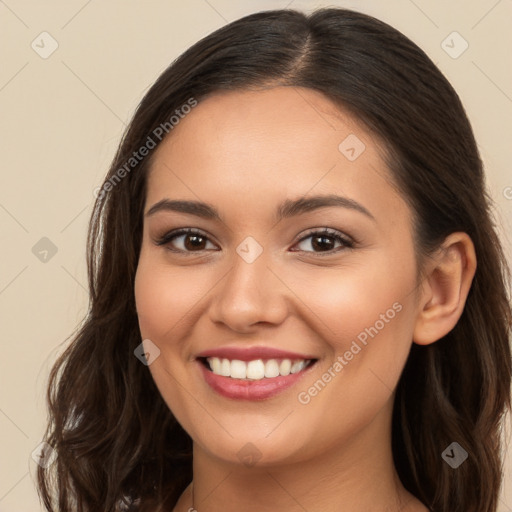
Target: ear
446	285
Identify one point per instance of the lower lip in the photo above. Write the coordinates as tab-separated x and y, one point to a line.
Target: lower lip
240	389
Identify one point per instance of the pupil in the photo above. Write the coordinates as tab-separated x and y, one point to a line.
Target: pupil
198	241
322	241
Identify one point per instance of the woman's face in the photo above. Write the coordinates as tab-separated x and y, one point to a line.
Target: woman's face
260	284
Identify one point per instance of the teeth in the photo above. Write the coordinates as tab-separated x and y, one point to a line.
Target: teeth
271	369
225	367
297	366
255	370
216	365
238	369
285	367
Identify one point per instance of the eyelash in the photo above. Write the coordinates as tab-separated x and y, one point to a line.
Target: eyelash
346	242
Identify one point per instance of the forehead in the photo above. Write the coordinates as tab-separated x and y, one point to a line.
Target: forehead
292	122
267	144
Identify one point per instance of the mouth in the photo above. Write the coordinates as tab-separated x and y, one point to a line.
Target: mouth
256	379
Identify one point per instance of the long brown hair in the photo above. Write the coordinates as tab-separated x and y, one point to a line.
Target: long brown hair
114	435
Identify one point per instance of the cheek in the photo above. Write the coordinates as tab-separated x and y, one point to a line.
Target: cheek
367	320
365	316
163	296
355	299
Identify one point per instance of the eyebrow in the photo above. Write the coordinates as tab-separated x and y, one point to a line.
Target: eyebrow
288	208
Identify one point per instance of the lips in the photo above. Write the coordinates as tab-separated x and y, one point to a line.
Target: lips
252	373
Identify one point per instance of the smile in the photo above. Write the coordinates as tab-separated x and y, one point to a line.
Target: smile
254	374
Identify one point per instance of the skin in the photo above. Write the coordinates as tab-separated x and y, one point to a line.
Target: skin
244	153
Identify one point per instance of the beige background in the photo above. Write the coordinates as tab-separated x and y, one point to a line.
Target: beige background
62	118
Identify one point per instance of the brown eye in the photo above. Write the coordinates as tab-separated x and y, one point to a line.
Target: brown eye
324	241
185	240
192	242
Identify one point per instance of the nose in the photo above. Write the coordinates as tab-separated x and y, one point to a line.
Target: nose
250	295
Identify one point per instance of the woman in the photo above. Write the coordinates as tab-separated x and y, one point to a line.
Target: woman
340	338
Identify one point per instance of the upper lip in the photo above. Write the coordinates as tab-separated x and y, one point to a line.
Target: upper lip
251	353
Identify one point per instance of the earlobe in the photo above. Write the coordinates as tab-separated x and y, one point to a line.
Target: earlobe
445	288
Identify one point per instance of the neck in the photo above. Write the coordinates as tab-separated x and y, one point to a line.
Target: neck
356	475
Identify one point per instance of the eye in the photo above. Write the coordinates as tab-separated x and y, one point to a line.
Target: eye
192	240
325	241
